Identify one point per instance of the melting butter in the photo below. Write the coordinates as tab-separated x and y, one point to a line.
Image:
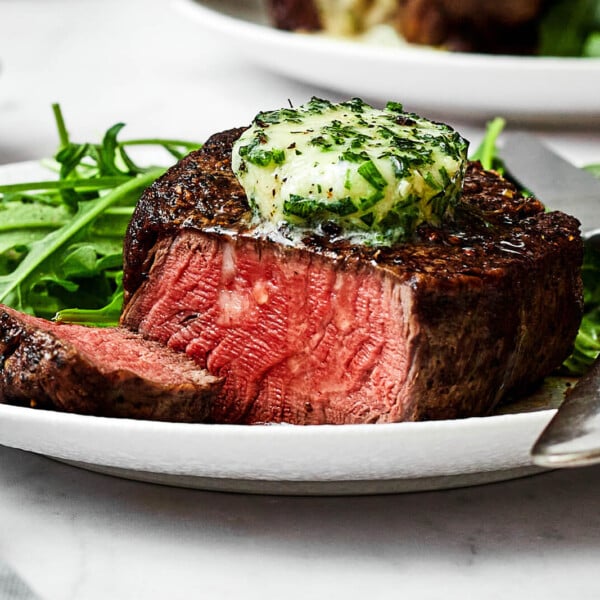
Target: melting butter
376	174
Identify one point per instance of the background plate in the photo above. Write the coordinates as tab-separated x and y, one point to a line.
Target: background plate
471	85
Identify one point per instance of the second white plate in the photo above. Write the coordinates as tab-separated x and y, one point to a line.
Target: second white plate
473	85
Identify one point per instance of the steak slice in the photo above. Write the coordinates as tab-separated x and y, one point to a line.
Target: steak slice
108	372
328	332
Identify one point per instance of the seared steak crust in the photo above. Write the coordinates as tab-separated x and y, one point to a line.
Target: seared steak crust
494	226
441	327
103	372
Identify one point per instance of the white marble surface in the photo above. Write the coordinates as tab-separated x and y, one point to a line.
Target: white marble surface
76	535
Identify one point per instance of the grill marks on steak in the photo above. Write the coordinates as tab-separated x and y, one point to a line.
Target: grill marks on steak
328	332
109	372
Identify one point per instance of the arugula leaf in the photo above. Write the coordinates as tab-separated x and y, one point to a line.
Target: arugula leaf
61	240
487	152
14	286
570	28
593	169
587	342
106	316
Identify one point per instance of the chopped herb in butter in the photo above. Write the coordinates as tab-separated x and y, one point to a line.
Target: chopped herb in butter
377	174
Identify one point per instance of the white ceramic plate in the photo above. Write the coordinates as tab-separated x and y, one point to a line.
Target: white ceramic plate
286	459
473	85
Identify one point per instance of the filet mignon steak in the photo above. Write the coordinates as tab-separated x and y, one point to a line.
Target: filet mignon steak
99	371
324	331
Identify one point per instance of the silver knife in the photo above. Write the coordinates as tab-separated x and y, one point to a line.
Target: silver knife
572	438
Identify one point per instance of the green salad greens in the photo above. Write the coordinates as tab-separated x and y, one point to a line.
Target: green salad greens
570	28
587	344
61	240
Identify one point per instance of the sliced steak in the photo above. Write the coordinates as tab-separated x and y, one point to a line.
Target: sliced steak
326	332
107	372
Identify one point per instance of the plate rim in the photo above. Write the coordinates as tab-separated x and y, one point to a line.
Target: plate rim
224	457
276	429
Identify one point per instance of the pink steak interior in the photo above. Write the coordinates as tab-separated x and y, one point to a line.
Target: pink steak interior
298	338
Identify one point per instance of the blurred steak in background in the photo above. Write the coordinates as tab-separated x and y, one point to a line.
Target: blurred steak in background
504	26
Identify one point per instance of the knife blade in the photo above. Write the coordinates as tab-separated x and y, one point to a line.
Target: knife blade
572	438
555	181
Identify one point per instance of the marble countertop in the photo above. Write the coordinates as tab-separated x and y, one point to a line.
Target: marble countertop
74	535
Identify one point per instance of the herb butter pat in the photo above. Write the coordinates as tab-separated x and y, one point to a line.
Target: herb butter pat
376	174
